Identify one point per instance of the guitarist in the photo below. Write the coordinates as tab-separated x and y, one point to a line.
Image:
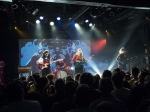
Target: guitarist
122	59
78	58
45	61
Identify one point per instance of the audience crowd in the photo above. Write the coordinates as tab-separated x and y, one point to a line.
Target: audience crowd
113	91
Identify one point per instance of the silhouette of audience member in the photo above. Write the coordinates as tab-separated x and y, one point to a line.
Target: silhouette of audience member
77	76
59	94
134	74
126	79
106	106
95	84
117	70
119	92
16	102
36	76
68	78
106	73
82	99
50	77
87	78
32	83
43	88
106	87
145	103
138	92
67	104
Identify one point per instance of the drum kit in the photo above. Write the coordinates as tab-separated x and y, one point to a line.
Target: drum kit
61	73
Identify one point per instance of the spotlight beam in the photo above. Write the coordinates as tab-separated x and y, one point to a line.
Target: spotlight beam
75	16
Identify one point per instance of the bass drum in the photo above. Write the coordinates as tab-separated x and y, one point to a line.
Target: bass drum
61	74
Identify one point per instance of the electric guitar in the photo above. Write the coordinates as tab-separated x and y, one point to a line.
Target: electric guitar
46	64
79	63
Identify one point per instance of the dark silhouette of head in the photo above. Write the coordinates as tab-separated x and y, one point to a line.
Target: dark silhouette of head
106	86
86	78
14	92
135	71
42	83
70	89
68	78
77	76
143	74
50	77
116	70
35	96
107	73
117	79
96	80
127	76
82	95
36	76
59	85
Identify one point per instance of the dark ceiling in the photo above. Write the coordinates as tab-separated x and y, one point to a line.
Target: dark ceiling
17	12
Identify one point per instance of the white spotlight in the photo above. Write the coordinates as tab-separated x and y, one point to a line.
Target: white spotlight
51	23
58	18
87	21
41	17
90	24
37	21
72	68
76	24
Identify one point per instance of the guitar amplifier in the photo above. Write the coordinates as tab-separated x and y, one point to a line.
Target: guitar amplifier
24	68
25	71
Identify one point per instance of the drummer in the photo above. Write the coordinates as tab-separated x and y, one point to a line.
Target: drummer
60	65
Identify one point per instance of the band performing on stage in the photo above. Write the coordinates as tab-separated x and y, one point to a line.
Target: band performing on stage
62	70
78	61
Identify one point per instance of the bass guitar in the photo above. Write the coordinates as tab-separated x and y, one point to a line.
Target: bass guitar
79	63
46	64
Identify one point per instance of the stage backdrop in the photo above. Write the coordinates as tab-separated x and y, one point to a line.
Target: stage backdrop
32	49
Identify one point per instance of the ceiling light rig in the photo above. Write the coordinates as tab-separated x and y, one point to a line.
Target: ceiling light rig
95	12
26	9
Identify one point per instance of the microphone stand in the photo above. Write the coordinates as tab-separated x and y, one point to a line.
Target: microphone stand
130	59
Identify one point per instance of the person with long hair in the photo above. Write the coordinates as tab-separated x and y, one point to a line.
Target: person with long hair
44	63
122	59
78	61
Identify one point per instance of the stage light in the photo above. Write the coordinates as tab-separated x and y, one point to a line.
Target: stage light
35	11
41	17
72	68
90	24
27	21
15	27
58	18
106	31
86	21
76	24
69	18
51	23
37	21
